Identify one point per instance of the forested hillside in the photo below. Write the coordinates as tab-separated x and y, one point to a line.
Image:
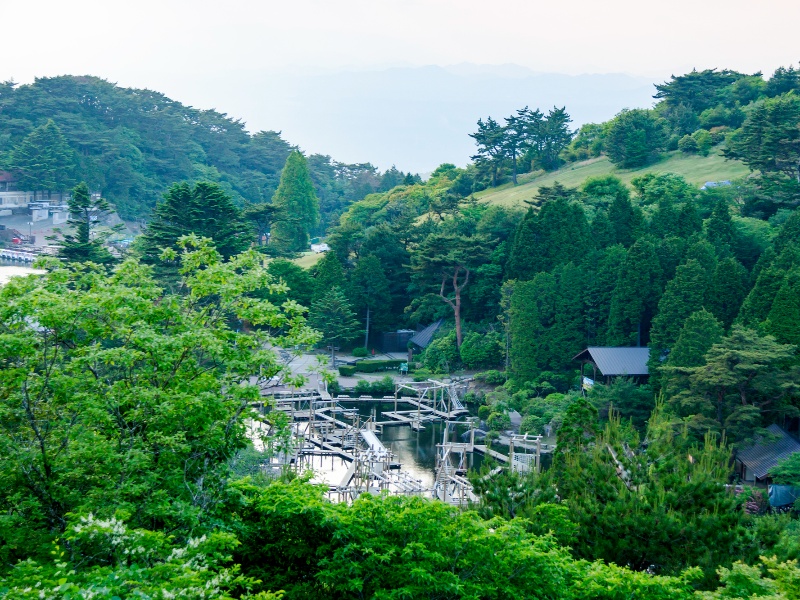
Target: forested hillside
143	454
132	144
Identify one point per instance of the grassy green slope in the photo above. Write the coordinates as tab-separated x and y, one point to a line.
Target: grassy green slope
695	169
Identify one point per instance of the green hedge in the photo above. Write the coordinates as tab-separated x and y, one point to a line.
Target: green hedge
372	366
347	370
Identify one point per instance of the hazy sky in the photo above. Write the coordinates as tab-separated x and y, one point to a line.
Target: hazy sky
198	51
125	41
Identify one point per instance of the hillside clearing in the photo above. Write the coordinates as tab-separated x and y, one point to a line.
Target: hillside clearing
695	169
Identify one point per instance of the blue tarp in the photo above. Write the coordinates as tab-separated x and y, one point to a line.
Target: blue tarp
783	495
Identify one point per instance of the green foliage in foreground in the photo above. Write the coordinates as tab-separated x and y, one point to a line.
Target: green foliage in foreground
119	400
395	547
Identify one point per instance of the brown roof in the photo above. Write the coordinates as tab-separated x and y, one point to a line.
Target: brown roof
6	176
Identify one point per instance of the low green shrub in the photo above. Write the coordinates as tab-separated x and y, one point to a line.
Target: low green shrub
493	377
360	352
347	370
422	374
382	387
373	366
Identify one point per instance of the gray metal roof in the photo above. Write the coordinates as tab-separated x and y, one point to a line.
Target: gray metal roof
424	337
761	457
617	361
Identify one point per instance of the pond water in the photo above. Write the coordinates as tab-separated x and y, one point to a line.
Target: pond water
414	450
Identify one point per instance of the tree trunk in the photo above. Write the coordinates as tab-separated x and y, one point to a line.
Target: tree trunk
366	333
457	315
514	169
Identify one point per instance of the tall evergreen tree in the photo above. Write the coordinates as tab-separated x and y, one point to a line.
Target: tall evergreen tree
328	273
532	316
783	320
84	244
729	287
699	332
719	228
683	296
602	270
557	234
204	209
295	198
370	291
758	303
333	316
626	220
636	295
492	149
44	160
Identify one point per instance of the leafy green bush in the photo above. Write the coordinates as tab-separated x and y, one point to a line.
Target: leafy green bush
347	370
492	377
363	388
498	421
484	412
481	350
360	352
422	374
688	145
531	424
382	387
442	356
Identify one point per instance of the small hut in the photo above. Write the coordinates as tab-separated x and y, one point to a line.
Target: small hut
610	362
754	462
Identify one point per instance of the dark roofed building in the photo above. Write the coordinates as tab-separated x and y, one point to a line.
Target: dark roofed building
753	463
423	338
615	362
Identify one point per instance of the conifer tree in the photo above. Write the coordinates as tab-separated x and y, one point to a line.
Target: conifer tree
636	295
556	235
689	221
719	228
297	200
758	303
44	160
699	332
602	231
568	336
370	291
204	209
683	296
728	290
84	244
328	273
626	220
783	320
332	315
532	315
602	273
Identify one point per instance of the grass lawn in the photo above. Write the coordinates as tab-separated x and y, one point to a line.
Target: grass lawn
695	169
308	259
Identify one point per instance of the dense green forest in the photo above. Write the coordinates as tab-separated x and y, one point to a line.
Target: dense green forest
127	464
132	144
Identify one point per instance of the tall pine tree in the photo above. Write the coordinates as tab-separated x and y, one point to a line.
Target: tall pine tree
44	160
636	295
296	199
84	244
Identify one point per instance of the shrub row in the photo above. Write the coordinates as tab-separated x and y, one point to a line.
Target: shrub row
372	366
